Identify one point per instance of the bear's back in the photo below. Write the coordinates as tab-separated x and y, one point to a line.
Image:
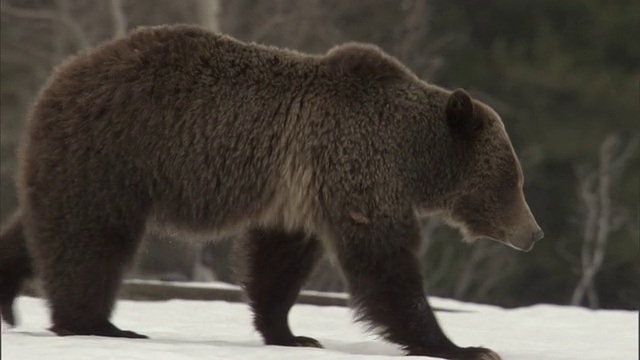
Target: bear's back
202	122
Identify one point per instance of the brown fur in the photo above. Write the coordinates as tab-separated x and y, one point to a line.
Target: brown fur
276	264
15	265
200	133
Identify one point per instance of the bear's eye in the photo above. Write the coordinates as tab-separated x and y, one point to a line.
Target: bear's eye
511	184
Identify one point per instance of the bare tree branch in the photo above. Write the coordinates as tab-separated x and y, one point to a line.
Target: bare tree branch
498	269
591	206
429	227
595	192
564	253
415	46
415	28
267	27
209	14
74	28
479	253
628	151
442	268
118	18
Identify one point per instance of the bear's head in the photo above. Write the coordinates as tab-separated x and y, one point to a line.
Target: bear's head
488	199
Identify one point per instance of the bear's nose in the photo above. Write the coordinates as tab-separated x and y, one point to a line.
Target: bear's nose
537	235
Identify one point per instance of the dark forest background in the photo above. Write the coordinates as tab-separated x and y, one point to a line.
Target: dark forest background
564	76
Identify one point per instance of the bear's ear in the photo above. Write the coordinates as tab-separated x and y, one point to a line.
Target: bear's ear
459	112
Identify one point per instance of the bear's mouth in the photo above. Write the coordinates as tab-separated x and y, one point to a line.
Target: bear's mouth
523	249
509	243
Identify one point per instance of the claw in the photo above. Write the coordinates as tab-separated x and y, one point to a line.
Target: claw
307	342
107	330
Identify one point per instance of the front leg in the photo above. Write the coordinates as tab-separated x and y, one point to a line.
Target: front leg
275	264
386	286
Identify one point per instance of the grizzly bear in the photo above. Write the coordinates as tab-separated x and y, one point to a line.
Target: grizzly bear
201	134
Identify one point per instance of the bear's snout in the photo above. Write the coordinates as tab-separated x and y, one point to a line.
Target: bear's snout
537	235
526	240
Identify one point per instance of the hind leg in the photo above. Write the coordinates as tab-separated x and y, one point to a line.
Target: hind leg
15	265
276	264
80	260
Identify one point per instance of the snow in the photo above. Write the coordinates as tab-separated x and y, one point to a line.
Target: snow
182	330
195	284
224	286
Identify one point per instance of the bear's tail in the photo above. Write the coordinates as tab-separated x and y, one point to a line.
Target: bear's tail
15	265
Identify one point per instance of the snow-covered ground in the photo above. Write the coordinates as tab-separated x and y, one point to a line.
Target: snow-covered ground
181	330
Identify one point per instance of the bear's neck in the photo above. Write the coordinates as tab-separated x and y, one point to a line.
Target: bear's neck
441	169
